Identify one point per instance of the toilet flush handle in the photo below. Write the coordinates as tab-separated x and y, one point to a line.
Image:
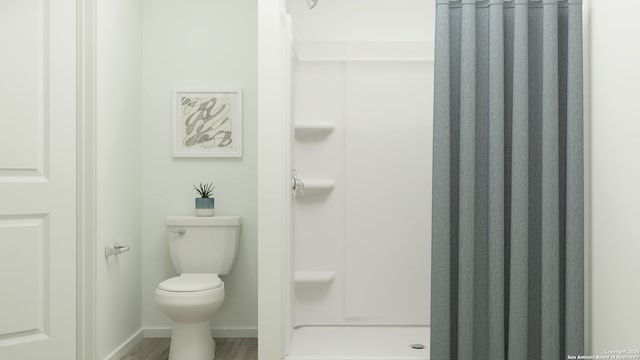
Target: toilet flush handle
178	231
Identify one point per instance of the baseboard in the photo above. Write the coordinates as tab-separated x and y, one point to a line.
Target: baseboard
227	332
118	353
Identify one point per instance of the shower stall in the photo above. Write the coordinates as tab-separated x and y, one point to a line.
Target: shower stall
357	109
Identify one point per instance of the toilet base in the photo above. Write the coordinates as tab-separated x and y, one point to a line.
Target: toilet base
192	341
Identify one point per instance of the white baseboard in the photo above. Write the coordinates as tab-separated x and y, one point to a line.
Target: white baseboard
126	346
227	332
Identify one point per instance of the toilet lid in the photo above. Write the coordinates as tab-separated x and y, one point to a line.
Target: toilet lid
191	282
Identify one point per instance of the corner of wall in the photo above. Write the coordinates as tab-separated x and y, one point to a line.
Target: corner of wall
118	173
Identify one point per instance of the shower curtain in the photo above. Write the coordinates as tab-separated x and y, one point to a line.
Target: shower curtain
507	258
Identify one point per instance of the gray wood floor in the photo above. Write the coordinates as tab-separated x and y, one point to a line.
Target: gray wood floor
226	349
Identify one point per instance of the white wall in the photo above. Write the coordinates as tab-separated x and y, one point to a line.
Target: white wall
118	118
353	229
362	20
615	106
274	203
199	43
330	87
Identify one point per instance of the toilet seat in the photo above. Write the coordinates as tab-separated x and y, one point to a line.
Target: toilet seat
186	283
190	300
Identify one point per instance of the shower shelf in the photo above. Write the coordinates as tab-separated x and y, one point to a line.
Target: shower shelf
317	186
314	277
314	127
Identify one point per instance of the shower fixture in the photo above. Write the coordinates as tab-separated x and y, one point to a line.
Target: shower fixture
312	3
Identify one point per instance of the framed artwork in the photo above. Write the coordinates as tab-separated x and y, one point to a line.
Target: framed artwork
207	123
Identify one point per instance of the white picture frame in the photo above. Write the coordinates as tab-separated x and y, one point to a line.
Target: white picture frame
207	123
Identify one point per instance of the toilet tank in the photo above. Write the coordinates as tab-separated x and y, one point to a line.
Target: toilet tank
203	244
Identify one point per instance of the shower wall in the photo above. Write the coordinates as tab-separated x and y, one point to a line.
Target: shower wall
362	113
328	153
362	98
362	108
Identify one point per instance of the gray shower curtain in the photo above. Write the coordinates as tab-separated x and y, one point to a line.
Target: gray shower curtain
507	259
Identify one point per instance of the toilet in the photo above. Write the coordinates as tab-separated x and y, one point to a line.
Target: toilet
201	248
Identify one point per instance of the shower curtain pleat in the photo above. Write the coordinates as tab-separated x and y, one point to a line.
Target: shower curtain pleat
575	190
466	208
495	191
550	241
441	313
519	249
507	226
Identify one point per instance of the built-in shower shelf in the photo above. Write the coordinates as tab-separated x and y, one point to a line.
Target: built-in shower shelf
317	186
314	277
314	127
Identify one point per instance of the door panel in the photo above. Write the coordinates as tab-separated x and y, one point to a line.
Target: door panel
37	179
23	70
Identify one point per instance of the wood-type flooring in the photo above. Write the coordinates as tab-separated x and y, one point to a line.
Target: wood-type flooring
226	349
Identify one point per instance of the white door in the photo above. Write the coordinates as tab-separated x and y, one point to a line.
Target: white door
37	179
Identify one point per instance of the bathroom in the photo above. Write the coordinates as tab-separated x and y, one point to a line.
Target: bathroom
135	52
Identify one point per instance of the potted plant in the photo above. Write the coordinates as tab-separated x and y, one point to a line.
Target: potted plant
205	203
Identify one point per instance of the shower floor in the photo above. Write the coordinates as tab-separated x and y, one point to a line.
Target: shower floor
359	343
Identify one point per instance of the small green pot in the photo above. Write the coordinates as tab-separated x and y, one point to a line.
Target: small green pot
204	206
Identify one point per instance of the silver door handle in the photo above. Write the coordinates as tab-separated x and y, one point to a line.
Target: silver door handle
115	250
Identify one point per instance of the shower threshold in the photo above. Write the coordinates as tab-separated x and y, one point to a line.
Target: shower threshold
360	343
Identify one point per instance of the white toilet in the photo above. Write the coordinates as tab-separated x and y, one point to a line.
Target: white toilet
201	248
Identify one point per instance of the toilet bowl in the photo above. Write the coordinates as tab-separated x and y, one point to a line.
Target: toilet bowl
190	300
